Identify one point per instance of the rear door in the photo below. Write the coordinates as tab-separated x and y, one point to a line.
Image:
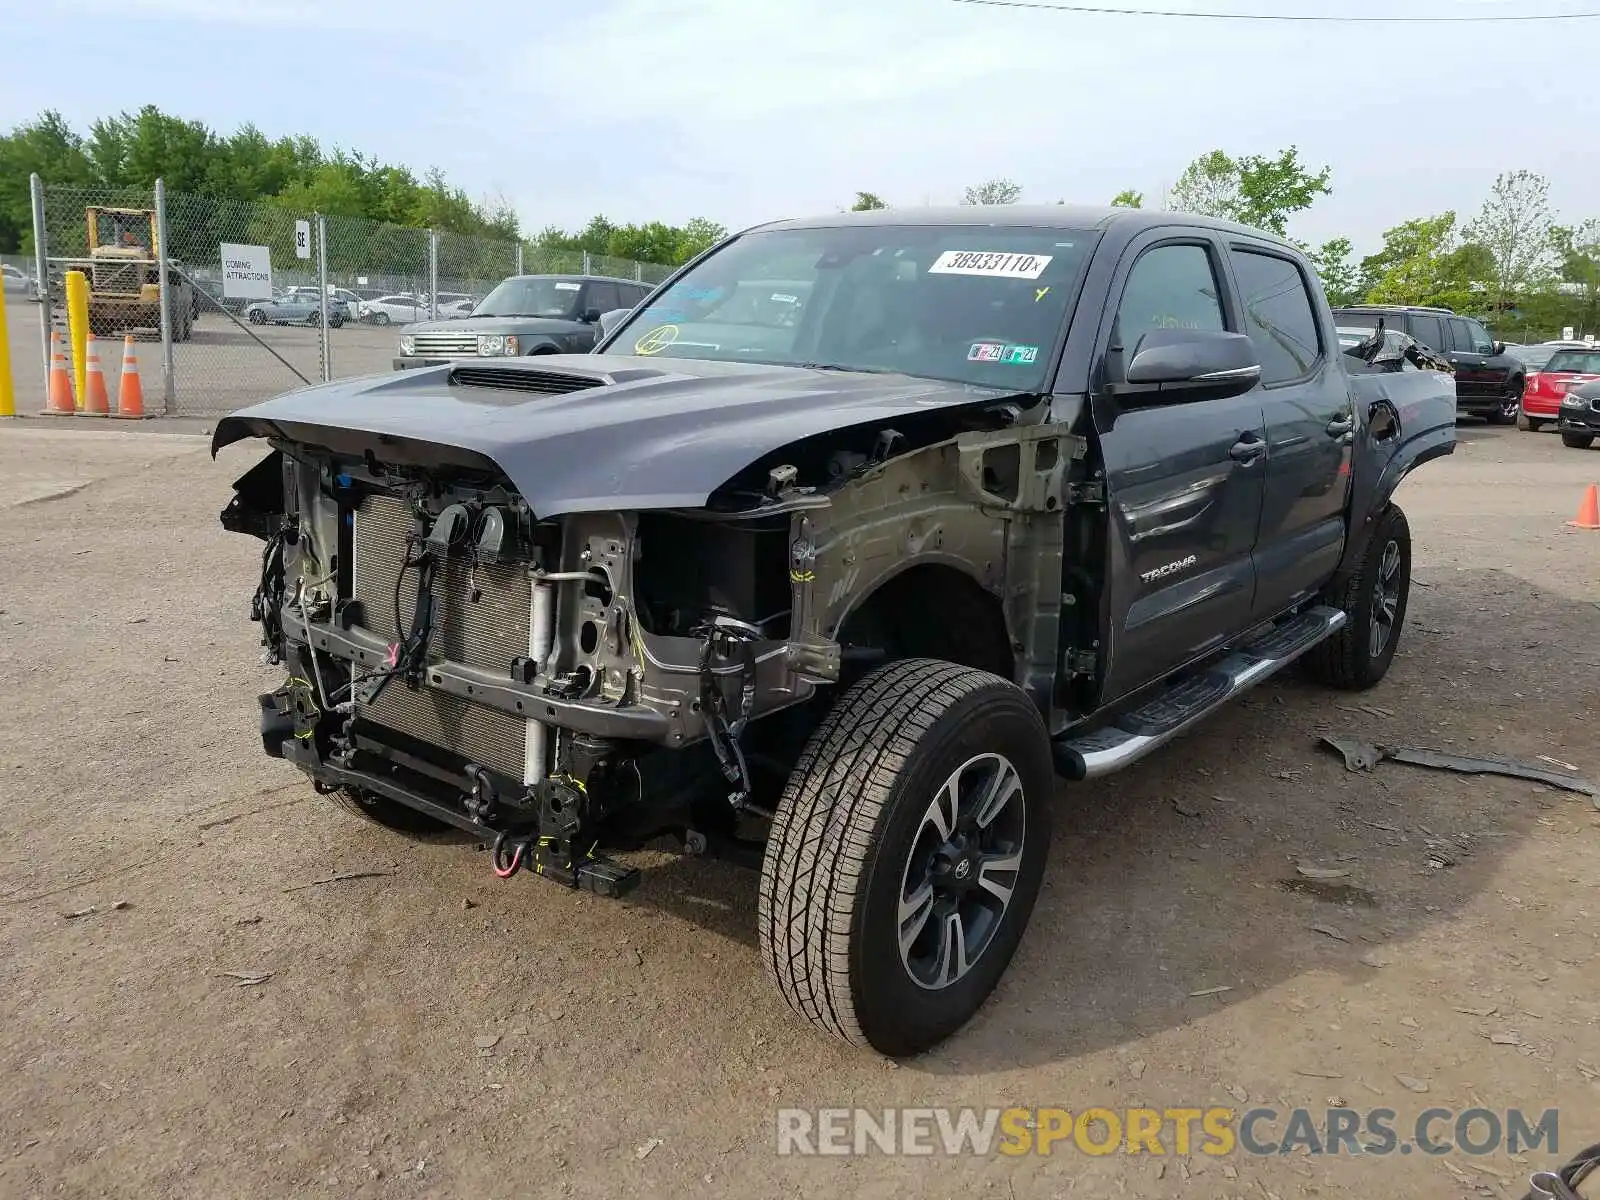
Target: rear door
1428	329
1184	478
1310	422
1470	351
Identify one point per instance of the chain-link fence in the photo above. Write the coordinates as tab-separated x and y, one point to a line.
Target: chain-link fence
257	298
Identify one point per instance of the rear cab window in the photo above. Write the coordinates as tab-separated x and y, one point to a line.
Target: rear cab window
1279	315
1576	362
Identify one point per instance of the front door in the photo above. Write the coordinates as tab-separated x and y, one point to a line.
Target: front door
1470	352
1311	426
1184	480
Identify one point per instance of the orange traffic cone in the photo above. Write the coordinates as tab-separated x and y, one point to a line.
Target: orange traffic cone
130	394
96	403
59	402
1589	510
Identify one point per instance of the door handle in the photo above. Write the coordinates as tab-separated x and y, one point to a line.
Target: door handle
1247	450
1341	425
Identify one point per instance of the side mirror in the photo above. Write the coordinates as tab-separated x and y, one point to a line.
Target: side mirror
609	321
1194	362
590	316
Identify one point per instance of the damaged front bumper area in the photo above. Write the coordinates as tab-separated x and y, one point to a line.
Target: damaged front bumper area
448	652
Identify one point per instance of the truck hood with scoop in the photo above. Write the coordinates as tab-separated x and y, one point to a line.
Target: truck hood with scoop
594	432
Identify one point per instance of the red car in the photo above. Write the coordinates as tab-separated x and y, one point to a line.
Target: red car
1546	387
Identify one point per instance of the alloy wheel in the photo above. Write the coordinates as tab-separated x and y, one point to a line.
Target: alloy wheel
961	872
1385	598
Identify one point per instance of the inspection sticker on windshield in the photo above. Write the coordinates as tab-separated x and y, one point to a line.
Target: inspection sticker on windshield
999	266
1001	352
567	287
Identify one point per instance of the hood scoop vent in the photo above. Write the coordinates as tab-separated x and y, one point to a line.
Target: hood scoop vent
518	379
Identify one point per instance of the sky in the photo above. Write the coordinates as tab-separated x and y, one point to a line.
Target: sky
751	110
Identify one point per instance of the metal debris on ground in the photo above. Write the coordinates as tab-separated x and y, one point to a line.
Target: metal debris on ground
1329	931
1212	991
1322	874
1363	756
1557	762
1412	1083
339	878
248	978
644	1150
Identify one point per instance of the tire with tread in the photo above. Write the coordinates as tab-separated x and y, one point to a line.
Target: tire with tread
1577	441
843	834
1344	660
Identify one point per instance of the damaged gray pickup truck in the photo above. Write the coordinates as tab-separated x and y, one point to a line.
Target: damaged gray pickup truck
830	558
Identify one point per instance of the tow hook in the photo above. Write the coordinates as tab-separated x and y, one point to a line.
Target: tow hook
511	852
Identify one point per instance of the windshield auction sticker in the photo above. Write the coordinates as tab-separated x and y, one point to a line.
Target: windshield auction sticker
993	264
657	340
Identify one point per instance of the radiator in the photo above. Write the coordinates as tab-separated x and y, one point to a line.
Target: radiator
488	633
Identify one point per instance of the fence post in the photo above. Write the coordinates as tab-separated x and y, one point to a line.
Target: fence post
322	287
519	258
167	389
433	274
41	267
585	262
638	272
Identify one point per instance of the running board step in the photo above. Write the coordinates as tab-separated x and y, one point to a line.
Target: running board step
1134	734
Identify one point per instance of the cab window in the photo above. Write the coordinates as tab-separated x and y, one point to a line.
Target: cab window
1170	287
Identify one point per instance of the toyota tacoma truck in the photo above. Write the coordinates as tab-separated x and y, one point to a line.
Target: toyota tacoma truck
838	588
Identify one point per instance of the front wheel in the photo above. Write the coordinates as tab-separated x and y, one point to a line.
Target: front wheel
1373	596
1508	410
1529	424
1578	441
906	854
380	318
257	317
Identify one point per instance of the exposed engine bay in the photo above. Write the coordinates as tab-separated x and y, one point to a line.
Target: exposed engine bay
564	686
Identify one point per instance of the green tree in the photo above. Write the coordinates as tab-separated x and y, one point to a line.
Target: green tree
995	191
131	150
1340	276
1128	198
1514	226
1424	261
1262	191
1577	249
1208	187
700	233
866	201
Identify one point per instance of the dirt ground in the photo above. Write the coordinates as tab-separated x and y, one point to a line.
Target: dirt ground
432	1031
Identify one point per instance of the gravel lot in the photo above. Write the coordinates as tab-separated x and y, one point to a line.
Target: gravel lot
435	1032
221	368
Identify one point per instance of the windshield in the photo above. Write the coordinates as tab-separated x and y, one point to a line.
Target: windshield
972	304
1533	357
123	230
1368	321
531	297
1579	362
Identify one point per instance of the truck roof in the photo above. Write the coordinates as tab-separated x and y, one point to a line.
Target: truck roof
1036	216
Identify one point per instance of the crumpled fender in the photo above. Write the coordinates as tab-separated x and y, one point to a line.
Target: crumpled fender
1422	407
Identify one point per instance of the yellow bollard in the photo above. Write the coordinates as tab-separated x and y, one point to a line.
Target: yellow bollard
8	393
78	327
